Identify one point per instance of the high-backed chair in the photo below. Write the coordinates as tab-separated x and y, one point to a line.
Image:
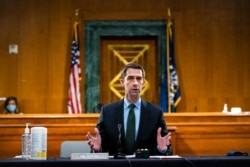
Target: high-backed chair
68	147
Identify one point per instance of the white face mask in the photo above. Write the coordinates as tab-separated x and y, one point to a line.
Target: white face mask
11	108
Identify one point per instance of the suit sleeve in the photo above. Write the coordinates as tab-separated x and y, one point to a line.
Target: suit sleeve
102	131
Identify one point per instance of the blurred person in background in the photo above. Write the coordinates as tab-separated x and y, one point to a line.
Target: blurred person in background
11	106
97	108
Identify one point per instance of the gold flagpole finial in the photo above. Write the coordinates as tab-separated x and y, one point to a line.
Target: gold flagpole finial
76	12
169	13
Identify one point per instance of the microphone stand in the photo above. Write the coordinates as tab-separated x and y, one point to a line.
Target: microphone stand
119	155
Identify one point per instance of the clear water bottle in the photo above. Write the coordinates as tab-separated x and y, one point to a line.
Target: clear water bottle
26	143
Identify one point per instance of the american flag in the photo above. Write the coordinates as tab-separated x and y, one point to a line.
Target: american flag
74	99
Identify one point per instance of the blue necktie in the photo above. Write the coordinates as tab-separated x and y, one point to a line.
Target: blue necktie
130	134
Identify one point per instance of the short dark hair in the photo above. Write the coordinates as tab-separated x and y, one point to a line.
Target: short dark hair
7	102
134	66
9	99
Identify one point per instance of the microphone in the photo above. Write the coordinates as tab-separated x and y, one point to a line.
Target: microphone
119	155
119	138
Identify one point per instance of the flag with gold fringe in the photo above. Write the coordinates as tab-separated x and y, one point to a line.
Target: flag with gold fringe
74	96
170	89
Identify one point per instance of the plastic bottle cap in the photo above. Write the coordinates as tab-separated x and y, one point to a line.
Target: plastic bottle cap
27	130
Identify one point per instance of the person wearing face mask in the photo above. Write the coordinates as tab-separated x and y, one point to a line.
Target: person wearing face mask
10	106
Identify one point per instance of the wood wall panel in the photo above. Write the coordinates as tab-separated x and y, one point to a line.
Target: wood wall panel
193	134
211	39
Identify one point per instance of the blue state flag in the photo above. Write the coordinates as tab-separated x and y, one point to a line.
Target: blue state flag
170	89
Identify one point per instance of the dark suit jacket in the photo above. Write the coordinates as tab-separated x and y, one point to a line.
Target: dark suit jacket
150	120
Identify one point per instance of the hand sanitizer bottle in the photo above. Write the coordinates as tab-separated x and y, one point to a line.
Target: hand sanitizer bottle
26	143
225	109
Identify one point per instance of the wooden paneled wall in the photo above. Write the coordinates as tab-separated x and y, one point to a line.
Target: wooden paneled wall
193	134
211	39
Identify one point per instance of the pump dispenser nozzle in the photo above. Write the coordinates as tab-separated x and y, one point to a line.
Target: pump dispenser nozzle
27	130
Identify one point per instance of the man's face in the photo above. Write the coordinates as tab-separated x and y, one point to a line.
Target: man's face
133	83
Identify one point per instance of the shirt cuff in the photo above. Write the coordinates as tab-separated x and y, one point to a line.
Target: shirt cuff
166	151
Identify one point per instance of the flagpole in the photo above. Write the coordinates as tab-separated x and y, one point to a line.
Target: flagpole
76	22
167	59
74	99
76	13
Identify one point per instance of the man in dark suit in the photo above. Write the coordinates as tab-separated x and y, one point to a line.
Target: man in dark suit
113	131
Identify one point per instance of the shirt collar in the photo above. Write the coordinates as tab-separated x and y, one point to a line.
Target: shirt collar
127	103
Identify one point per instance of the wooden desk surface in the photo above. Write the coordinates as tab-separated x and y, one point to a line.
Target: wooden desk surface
194	134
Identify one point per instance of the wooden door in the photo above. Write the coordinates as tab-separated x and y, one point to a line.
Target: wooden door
115	53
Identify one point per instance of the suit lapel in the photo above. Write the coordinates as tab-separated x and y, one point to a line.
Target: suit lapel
119	113
120	119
